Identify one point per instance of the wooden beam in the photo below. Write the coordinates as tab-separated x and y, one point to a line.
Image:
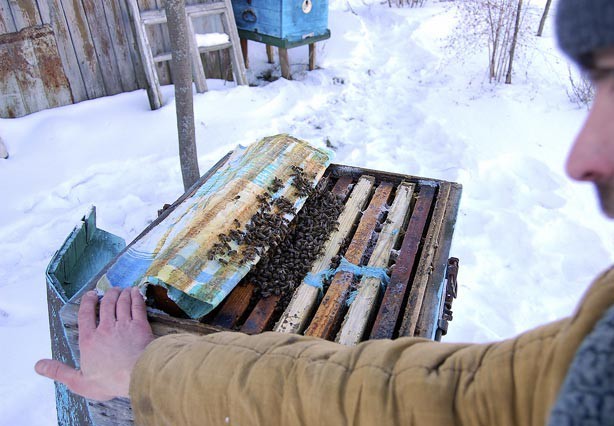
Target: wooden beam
235	306
294	318
425	267
332	306
393	300
364	305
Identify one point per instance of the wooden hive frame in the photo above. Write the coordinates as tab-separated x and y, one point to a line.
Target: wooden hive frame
414	218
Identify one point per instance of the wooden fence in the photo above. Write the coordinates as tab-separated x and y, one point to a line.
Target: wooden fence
58	52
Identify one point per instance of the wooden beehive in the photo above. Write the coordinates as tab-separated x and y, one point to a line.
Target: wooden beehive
290	21
398	224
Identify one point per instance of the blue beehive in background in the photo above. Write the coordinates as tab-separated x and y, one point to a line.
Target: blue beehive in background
282	23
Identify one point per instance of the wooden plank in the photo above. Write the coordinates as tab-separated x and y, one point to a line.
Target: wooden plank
425	267
97	23
294	319
394	296
25	13
132	44
55	84
84	48
234	307
54	14
364	305
332	306
120	44
447	204
435	290
7	23
261	316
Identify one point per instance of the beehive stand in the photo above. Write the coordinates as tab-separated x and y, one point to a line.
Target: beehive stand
395	233
282	45
143	19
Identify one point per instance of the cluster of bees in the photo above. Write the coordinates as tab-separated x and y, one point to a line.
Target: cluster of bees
266	228
285	265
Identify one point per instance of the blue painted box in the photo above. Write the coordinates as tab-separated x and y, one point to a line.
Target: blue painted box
290	21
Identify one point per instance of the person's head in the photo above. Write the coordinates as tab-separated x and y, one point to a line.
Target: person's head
585	31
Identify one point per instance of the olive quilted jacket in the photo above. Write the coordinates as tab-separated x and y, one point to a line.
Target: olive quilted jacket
281	379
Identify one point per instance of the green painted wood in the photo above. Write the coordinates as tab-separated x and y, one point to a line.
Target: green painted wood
85	251
279	42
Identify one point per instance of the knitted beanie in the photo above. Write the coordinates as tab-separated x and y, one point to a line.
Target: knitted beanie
583	26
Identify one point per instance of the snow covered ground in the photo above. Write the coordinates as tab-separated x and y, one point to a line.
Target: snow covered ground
390	94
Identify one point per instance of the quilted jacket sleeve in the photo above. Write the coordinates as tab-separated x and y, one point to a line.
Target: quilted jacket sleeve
278	379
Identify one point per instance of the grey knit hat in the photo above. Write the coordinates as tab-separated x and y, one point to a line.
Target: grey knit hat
583	26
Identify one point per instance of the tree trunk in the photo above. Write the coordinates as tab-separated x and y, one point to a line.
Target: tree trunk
508	77
542	22
182	77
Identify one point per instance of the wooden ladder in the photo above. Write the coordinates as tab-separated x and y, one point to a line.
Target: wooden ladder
142	19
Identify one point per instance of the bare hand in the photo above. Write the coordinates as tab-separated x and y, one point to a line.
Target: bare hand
110	350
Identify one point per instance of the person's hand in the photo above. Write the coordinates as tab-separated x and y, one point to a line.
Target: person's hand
110	350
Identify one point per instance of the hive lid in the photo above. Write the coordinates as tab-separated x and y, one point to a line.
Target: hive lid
192	252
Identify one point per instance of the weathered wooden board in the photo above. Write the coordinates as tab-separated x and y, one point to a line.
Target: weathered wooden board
294	319
31	73
85	50
7	23
54	14
425	266
103	44
429	315
365	303
120	45
394	297
56	85
25	13
331	308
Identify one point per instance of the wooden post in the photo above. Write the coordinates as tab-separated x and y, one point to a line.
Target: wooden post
312	56
245	51
269	54
182	75
285	63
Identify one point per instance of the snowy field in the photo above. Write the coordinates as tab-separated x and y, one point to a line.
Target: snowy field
390	94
